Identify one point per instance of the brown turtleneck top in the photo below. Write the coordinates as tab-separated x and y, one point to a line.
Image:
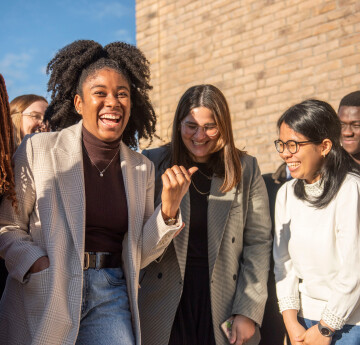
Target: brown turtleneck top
106	204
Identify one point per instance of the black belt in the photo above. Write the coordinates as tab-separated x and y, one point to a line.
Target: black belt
100	260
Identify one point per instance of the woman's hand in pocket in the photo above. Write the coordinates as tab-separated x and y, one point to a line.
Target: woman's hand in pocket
40	264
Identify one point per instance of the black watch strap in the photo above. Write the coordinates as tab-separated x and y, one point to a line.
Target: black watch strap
325	331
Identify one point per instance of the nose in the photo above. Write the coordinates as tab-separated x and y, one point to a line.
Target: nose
111	101
200	133
285	154
346	130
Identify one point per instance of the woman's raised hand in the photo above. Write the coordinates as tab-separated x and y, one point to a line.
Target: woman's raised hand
176	181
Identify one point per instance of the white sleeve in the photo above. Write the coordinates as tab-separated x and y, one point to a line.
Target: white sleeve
345	294
286	280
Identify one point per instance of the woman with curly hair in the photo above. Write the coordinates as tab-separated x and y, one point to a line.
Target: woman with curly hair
7	187
86	222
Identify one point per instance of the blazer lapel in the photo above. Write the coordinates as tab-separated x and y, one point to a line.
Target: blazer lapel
130	175
69	171
181	241
218	210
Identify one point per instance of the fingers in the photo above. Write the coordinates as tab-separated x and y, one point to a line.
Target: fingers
192	170
178	174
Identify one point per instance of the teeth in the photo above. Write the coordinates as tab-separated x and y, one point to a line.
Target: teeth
293	165
110	117
196	143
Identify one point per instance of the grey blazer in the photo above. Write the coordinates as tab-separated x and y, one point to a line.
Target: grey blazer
44	307
239	242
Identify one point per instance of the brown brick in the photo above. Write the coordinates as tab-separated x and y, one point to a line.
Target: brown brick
264	55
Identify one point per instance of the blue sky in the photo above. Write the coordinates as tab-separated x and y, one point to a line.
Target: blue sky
33	31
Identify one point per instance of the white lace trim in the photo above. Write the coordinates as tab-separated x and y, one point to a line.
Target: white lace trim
289	302
332	320
314	189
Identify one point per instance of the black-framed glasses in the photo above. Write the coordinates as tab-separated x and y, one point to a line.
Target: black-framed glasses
291	145
191	128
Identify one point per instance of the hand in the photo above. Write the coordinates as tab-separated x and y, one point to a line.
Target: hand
312	336
176	181
295	330
293	326
40	264
242	330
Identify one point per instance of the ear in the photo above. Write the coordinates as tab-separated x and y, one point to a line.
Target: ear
326	146
78	104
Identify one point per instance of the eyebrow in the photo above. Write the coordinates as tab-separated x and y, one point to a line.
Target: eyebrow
104	86
195	123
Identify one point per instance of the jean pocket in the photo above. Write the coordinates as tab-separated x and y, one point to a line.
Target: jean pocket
114	276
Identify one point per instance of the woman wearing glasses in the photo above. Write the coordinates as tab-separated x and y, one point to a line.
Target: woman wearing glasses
27	113
317	229
217	267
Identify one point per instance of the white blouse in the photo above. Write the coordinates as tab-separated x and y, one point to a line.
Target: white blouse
317	254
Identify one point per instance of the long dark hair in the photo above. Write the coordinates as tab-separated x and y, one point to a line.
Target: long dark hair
317	120
225	161
75	62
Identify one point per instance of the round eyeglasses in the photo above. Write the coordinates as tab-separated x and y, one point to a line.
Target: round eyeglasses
35	116
191	128
291	145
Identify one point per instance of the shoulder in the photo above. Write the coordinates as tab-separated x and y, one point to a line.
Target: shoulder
158	155
286	190
48	140
350	187
135	157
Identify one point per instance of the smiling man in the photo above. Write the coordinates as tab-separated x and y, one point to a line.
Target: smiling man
349	114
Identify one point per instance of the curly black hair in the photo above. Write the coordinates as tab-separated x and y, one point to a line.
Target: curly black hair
75	62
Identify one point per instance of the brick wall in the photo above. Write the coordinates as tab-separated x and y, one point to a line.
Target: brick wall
265	55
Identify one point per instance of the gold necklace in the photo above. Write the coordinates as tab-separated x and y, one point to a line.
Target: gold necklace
102	171
208	177
200	192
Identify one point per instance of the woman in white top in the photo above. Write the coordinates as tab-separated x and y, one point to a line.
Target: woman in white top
317	229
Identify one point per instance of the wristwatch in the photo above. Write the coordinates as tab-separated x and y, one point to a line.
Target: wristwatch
325	331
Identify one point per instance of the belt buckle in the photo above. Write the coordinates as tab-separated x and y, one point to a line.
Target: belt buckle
86	261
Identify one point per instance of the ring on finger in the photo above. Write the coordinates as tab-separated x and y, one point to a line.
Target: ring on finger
179	173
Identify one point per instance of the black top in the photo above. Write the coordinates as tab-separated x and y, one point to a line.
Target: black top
106	204
198	242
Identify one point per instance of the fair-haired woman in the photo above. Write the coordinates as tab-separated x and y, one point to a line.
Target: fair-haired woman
317	231
217	267
27	113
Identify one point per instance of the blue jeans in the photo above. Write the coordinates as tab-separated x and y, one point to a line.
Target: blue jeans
348	335
105	314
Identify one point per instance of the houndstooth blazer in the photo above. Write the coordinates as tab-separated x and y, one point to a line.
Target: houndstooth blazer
44	308
239	243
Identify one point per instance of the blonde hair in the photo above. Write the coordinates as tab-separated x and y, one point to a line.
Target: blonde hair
17	106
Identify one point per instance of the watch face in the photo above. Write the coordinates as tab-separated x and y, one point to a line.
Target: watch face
325	331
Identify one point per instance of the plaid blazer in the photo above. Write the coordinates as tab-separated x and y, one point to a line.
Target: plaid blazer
239	243
44	308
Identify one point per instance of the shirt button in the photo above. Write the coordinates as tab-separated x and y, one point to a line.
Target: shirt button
233	240
160	275
234	276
